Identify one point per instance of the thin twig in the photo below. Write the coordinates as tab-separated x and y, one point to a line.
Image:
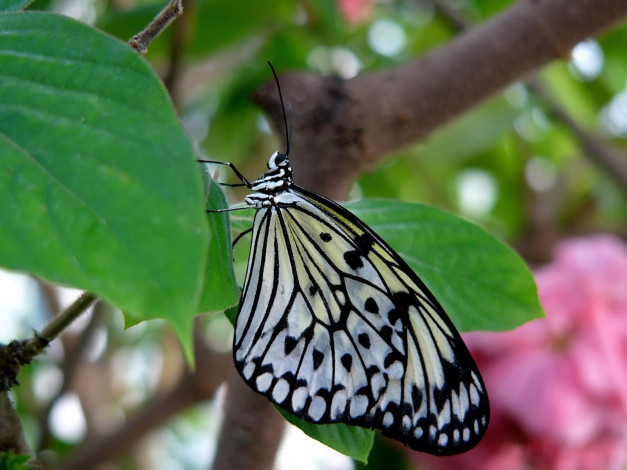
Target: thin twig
170	12
18	353
67	316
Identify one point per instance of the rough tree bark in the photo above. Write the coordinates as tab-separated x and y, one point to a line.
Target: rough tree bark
251	431
11	433
343	127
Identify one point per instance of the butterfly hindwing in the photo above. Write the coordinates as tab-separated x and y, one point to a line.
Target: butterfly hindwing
334	326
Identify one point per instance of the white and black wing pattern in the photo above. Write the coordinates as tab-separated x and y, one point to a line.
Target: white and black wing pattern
333	326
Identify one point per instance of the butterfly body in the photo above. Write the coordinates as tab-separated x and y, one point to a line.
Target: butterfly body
334	326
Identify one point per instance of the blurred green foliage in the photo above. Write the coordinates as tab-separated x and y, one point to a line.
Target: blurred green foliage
499	137
11	461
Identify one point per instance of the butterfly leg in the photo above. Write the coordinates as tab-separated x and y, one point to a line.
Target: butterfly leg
228	209
232	185
242	234
232	167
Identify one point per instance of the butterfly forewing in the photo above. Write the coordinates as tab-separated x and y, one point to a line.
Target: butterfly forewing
335	327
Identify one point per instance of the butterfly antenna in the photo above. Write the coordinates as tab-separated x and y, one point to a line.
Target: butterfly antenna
287	134
289	139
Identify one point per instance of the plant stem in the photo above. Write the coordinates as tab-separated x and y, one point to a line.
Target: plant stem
32	347
20	352
170	12
67	316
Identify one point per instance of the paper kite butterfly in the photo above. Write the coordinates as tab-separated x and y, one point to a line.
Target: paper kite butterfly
333	326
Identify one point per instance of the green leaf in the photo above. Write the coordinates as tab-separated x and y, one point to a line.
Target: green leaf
231	314
481	283
11	461
353	441
220	290
99	182
7	6
386	455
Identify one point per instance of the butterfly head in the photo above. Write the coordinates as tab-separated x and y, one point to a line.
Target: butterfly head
278	178
278	160
279	173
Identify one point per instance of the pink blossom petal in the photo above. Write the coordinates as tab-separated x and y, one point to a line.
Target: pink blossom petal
558	385
356	11
540	390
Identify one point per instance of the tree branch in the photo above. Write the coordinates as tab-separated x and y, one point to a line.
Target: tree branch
11	433
600	152
251	431
343	127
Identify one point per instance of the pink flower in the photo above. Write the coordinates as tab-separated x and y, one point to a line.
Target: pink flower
558	385
356	11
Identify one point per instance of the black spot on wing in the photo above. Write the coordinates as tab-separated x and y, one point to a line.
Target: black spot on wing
324	393
394	315
364	243
347	361
386	333
416	397
403	300
353	259
371	305
290	344
318	357
391	358
325	237
289	377
281	325
372	370
364	340
307	334
261	369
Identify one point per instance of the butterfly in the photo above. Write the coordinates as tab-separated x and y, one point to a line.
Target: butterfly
334	327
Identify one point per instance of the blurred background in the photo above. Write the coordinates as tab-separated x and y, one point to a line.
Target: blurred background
530	165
